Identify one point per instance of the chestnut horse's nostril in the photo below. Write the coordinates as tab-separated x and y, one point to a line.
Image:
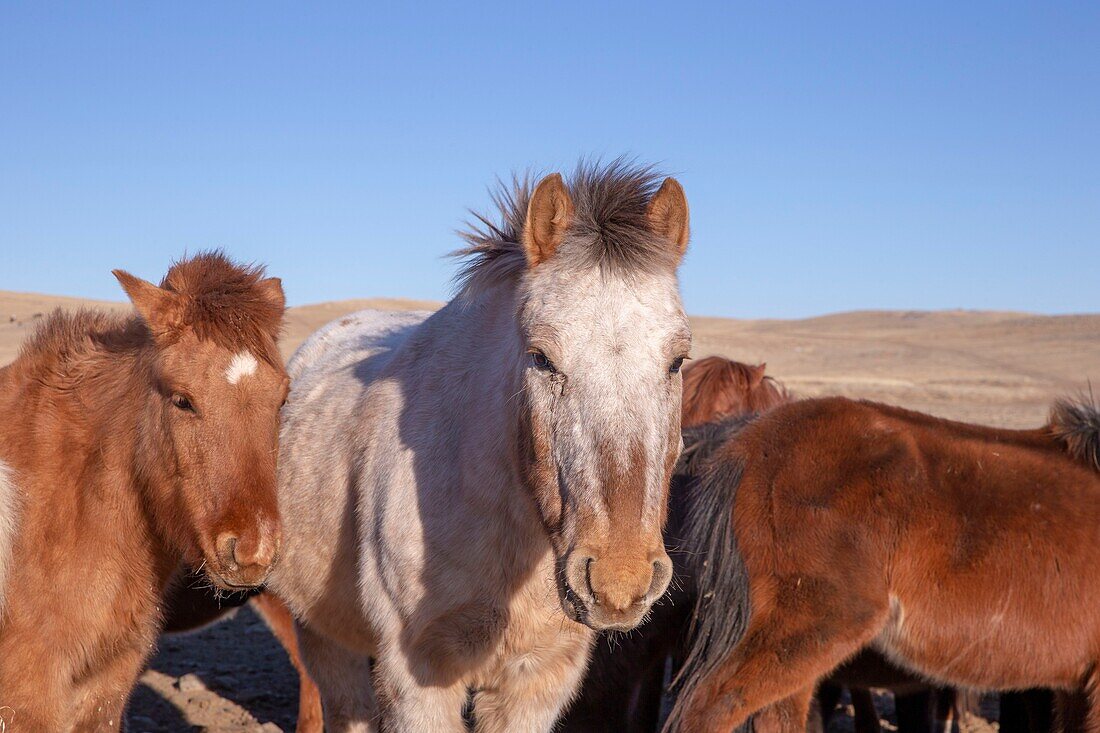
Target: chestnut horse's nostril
226	545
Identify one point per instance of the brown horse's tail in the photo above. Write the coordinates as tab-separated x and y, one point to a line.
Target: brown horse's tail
1077	426
714	564
9	523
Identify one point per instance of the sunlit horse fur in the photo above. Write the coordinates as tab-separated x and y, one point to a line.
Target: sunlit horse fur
965	554
130	444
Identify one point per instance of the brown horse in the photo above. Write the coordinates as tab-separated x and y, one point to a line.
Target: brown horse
964	553
130	444
716	388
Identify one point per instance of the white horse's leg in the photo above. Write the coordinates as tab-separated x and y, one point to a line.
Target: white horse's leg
344	679
529	700
407	705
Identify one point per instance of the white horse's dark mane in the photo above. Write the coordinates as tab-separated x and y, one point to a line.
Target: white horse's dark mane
610	229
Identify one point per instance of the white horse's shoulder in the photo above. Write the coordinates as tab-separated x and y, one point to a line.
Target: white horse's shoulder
353	337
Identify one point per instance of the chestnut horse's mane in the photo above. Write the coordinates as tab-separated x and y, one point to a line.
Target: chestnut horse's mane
610	228
221	302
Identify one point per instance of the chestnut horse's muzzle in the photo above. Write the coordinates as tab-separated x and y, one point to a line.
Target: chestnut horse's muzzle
244	560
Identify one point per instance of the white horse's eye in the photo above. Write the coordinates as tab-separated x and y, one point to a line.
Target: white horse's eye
542	363
676	364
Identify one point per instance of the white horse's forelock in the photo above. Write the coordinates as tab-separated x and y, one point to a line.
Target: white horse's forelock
9	523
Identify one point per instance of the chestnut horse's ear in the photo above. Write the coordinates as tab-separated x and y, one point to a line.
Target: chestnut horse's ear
668	214
549	214
158	307
757	374
271	290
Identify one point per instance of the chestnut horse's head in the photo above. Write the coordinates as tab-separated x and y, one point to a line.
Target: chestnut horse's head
716	388
602	337
211	427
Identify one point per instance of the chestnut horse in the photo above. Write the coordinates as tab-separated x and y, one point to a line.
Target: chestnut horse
940	544
130	444
469	494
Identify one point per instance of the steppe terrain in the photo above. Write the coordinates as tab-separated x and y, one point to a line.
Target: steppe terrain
996	368
999	368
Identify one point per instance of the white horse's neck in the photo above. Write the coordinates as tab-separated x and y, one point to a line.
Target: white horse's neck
462	373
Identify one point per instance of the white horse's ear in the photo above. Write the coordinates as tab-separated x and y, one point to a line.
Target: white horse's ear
549	214
668	214
159	308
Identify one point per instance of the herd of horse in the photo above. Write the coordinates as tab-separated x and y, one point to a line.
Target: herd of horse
525	512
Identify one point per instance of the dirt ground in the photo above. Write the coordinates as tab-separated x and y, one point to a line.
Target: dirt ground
995	368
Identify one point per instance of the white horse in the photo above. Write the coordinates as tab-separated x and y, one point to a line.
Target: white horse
468	495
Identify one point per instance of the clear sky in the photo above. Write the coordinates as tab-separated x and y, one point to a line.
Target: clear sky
836	156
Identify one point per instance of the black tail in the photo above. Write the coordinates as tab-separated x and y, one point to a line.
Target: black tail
1077	424
714	564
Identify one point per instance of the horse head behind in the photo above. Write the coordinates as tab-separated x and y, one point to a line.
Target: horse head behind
716	387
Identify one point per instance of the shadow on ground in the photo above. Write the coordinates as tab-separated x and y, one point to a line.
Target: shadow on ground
231	677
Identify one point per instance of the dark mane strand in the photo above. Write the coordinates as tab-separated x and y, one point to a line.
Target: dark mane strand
714	563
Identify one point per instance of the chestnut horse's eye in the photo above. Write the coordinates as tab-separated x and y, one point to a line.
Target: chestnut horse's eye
676	364
542	363
182	403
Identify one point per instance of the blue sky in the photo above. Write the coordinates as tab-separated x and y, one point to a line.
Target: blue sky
836	156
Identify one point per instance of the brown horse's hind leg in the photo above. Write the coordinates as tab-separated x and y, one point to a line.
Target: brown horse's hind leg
828	697
1071	711
281	623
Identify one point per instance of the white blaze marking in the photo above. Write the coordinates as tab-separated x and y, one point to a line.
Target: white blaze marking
243	365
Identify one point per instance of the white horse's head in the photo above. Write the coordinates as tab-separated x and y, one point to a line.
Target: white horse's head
603	334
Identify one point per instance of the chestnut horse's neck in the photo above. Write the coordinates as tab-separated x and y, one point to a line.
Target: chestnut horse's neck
97	374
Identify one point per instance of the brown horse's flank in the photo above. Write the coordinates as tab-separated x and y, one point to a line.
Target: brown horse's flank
840	511
107	424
